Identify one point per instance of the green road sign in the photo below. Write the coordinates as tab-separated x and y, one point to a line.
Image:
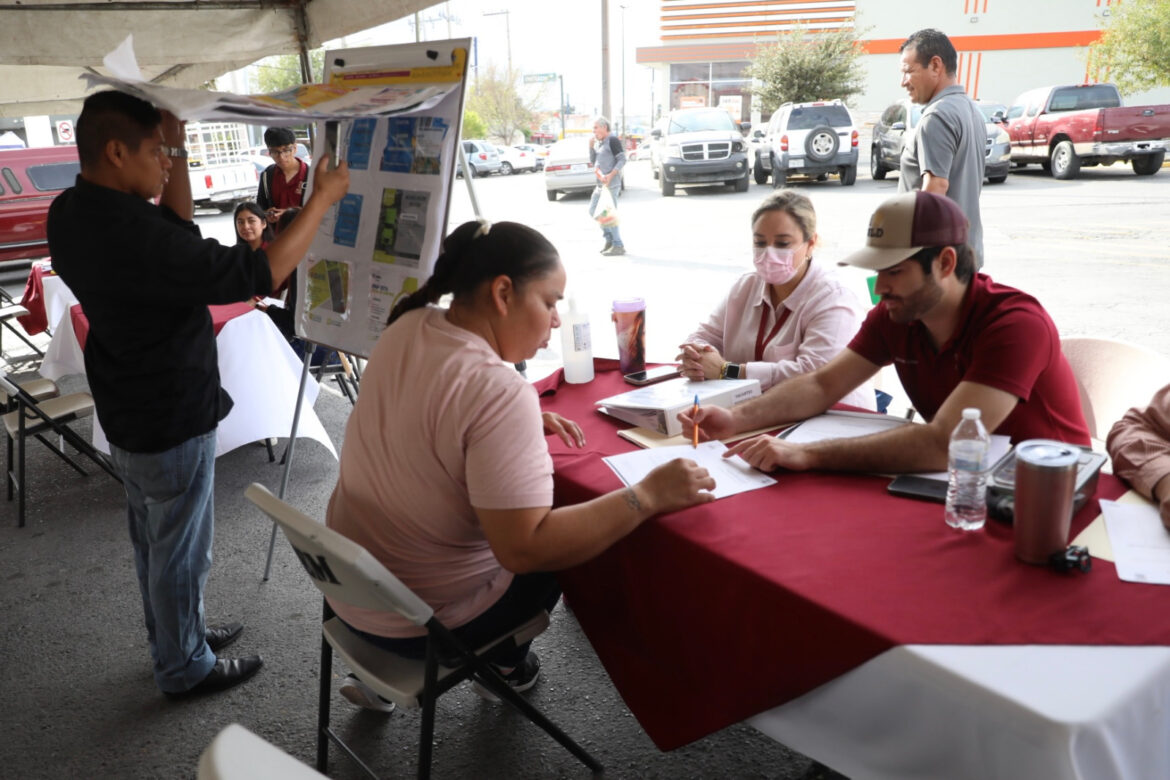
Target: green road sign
539	78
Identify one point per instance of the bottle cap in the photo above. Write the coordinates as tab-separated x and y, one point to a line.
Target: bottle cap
971	414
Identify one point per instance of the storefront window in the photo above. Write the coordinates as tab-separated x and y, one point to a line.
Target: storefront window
728	70
690	72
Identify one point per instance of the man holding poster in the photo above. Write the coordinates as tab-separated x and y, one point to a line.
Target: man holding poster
145	277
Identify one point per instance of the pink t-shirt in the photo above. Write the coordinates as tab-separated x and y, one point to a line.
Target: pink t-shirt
442	425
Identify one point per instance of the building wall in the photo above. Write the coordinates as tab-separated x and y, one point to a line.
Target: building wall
1005	46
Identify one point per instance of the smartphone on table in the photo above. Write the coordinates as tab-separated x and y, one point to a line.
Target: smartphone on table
652	375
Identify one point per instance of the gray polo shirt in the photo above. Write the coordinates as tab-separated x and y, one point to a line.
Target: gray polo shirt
950	142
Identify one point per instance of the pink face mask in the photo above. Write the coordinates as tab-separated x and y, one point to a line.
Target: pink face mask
775	266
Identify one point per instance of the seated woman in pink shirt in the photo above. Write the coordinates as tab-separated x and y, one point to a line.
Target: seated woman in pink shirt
445	472
787	317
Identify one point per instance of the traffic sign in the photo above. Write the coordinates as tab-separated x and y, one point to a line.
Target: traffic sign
539	78
65	131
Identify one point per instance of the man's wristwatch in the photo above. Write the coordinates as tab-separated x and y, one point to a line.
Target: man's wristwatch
730	371
177	152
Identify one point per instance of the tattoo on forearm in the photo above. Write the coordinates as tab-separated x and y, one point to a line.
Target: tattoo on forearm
632	500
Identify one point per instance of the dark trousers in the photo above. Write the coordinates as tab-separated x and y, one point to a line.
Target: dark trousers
525	597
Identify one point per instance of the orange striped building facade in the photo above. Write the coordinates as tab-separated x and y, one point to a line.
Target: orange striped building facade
1005	46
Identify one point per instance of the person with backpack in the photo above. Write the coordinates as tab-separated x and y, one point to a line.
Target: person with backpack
277	193
608	157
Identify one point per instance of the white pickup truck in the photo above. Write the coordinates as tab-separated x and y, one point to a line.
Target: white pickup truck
221	174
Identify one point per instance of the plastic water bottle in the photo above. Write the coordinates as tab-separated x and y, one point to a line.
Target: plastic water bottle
577	345
966	490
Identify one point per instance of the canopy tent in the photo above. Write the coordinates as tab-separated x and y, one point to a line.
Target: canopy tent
45	45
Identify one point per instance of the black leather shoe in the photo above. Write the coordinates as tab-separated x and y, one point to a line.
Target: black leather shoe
219	637
226	673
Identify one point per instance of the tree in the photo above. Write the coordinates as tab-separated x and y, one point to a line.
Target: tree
1134	51
800	67
283	71
498	100
473	126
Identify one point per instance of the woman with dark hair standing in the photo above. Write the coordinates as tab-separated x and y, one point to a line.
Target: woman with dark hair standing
445	473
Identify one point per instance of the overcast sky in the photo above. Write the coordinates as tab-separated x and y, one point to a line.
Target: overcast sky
547	36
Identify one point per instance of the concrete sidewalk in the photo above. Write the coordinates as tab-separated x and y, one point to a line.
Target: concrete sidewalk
79	700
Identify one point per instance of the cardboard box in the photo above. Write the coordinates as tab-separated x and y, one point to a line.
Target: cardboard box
656	407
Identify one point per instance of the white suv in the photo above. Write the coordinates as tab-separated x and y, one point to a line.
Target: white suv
811	139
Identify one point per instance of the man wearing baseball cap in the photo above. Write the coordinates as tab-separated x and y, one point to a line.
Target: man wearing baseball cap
956	338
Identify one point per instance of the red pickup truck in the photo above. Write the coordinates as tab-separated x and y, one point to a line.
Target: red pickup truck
1064	128
29	180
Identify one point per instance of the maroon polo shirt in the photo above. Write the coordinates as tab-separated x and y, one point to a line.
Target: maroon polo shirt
1004	340
291	193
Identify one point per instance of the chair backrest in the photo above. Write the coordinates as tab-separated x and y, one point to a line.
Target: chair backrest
1113	377
340	568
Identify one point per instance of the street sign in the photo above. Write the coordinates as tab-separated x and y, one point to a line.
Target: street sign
65	131
539	78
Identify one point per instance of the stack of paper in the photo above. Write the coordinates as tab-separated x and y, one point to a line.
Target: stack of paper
656	407
732	475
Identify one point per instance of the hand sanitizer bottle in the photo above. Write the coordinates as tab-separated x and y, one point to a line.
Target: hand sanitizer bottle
577	345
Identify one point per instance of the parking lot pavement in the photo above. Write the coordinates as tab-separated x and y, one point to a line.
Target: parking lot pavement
1093	250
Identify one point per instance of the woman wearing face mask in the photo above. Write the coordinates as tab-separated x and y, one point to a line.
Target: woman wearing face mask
787	317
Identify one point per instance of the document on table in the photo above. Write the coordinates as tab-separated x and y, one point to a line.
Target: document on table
1141	545
845	425
732	475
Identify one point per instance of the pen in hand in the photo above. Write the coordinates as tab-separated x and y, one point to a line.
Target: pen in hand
694	417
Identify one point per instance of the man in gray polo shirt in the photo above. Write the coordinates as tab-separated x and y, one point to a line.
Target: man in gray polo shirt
608	157
946	153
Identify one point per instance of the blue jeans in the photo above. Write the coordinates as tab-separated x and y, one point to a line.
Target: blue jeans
170	506
615	187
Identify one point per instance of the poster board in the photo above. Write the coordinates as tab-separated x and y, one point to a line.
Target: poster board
379	243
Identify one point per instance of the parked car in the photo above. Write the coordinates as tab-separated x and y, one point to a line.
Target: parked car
540	152
1066	127
699	146
482	158
812	139
567	167
513	160
900	119
29	180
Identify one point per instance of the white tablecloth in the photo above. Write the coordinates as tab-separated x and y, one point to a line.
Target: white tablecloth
1005	712
257	368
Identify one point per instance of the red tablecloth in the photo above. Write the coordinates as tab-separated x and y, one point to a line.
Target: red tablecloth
220	315
708	616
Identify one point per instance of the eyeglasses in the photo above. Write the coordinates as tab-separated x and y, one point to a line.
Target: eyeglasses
282	151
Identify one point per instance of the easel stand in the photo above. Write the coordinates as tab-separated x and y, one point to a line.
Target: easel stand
292	443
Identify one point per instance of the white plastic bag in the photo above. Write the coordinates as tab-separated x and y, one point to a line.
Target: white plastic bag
606	211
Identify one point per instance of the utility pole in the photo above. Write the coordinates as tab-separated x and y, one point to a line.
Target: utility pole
624	132
562	80
508	29
605	104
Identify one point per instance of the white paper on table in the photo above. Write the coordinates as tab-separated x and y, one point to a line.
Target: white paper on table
732	475
1141	545
846	425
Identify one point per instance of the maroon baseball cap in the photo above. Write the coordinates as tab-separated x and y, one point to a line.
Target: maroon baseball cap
903	225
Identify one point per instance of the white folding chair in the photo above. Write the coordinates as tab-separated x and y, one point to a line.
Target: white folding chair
346	571
238	754
1113	377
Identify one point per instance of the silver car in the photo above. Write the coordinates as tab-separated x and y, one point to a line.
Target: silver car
897	123
482	158
567	167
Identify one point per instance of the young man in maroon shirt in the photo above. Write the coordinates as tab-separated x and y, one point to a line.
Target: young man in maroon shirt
282	185
957	339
